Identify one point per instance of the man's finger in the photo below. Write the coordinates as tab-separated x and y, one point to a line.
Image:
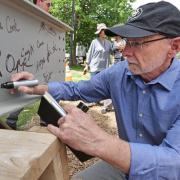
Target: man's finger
26	90
54	130
22	75
69	108
61	121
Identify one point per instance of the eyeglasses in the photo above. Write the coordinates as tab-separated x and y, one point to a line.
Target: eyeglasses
136	44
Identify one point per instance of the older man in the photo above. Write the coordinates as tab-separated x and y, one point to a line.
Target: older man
145	94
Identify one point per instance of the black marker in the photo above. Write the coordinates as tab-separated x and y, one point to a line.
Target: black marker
16	84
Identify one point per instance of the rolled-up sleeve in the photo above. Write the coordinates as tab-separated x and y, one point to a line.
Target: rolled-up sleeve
90	53
157	162
88	91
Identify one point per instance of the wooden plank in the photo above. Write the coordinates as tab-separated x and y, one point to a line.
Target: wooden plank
58	168
26	155
39	129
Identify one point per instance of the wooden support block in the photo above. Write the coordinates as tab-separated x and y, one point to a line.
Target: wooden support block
53	170
39	129
59	162
32	156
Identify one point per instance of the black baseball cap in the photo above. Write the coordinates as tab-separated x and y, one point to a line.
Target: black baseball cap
152	18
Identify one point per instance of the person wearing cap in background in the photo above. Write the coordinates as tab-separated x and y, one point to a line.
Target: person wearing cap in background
98	56
98	59
145	93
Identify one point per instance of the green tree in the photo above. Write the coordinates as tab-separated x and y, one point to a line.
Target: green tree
88	13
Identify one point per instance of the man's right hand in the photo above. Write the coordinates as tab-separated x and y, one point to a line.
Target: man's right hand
38	90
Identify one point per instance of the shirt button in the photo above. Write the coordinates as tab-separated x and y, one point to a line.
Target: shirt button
140	115
144	92
140	135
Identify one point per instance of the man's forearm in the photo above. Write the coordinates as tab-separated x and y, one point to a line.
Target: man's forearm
116	152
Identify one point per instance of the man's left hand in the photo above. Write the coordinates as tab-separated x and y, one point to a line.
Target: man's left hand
79	131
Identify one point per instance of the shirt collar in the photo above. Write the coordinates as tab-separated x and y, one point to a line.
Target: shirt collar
167	78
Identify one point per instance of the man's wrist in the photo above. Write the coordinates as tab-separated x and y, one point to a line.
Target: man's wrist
41	89
115	151
101	146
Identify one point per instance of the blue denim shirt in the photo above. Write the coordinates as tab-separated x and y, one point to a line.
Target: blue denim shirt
147	114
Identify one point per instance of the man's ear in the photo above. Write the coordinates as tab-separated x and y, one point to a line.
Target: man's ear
175	46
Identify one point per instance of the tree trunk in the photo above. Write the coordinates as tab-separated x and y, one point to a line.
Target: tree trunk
73	37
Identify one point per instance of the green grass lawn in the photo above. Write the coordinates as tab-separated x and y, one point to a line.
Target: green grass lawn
77	73
178	55
27	114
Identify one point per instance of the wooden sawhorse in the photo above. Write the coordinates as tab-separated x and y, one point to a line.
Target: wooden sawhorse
32	156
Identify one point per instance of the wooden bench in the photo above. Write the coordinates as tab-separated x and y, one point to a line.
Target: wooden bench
31	156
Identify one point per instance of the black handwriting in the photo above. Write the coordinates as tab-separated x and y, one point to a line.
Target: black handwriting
40	64
44	27
47	76
14	66
1	27
23	61
39	44
51	51
11	25
28	52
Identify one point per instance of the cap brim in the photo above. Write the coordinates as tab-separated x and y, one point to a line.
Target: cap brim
128	31
98	31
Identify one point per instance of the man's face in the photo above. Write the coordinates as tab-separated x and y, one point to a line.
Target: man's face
102	34
150	58
44	4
